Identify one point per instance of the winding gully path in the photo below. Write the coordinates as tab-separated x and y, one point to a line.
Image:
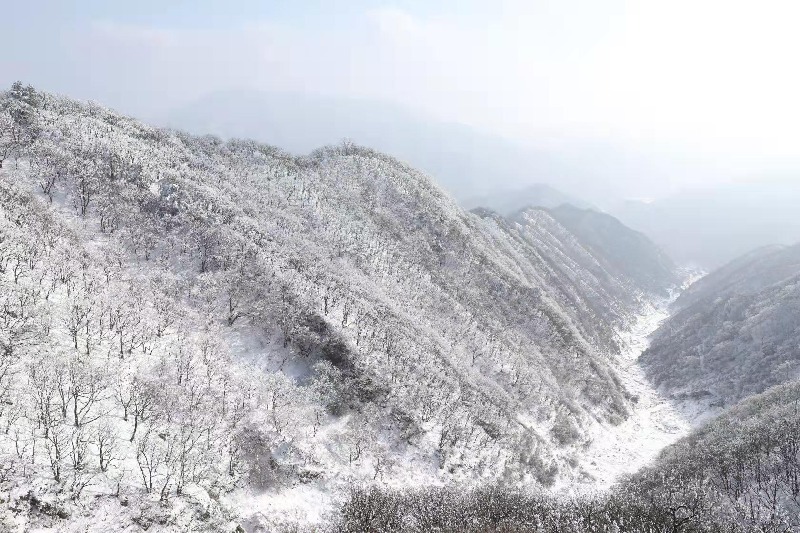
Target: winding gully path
654	424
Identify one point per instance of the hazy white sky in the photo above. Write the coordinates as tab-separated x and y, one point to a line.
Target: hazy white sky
704	90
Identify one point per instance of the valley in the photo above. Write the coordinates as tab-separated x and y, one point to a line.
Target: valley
654	424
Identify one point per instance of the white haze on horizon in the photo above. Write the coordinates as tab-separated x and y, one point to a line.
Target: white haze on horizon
660	96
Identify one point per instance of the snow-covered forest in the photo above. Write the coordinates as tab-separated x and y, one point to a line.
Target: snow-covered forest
209	335
734	333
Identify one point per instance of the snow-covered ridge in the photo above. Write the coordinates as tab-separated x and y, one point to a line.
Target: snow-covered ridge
734	333
253	330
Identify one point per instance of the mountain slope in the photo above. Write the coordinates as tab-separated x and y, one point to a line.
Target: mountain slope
237	319
745	275
735	331
593	293
627	250
736	474
741	468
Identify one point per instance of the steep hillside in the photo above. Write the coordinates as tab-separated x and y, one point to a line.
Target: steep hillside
747	274
198	322
737	474
628	251
602	292
735	332
742	468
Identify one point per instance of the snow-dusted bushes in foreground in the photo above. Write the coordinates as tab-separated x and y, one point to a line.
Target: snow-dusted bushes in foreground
497	509
749	456
738	473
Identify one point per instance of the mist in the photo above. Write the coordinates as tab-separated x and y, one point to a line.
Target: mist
606	103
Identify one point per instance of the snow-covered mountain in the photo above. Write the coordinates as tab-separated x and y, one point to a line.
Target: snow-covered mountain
198	328
628	251
734	332
207	335
738	472
591	291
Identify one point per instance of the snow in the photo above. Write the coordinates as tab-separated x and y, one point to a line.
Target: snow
656	421
655	424
303	504
612	452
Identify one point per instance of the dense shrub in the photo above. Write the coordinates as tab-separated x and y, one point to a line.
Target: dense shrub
498	509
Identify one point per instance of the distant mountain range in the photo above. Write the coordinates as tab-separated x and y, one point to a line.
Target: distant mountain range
461	159
710	227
